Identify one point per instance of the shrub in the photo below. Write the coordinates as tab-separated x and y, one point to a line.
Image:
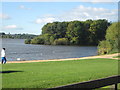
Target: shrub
46	39
37	40
104	47
27	41
52	40
61	41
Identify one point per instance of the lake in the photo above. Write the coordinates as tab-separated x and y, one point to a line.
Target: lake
15	48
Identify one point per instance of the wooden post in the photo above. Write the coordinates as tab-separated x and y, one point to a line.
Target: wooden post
116	87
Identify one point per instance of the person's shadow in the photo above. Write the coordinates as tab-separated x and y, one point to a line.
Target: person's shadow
9	71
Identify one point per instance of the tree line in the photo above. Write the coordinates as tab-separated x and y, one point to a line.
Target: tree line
17	36
88	32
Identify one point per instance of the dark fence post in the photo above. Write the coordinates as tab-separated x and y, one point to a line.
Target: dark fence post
116	88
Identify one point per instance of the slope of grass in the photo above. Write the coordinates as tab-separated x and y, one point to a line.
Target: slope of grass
57	73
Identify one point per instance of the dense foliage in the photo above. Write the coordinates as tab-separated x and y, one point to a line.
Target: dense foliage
111	44
17	36
88	32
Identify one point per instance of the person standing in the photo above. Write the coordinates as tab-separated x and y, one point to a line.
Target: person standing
3	56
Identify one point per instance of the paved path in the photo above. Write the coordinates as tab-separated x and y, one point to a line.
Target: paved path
91	57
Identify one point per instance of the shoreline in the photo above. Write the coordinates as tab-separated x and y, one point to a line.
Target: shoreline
110	56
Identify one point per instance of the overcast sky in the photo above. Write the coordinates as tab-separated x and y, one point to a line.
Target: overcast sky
26	16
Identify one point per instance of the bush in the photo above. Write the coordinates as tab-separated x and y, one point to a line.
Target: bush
61	41
104	47
37	40
46	39
27	41
52	40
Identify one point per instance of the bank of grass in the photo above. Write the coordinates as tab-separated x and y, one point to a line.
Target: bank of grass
56	73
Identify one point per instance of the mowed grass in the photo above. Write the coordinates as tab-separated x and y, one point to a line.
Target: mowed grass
56	73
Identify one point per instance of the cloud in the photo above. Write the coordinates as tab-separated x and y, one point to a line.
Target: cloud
23	7
83	13
4	16
45	20
12	27
80	13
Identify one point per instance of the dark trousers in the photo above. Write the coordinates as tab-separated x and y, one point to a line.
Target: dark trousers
4	60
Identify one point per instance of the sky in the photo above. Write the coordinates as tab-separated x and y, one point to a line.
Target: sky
28	16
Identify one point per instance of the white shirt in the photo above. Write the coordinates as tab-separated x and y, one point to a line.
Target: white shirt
3	53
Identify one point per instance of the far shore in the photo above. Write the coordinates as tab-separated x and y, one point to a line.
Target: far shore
90	57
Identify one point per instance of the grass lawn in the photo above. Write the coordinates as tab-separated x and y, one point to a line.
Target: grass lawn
56	73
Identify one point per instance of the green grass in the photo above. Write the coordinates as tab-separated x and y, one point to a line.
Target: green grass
57	73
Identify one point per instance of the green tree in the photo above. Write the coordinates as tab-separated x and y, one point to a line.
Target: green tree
112	39
113	36
75	32
98	31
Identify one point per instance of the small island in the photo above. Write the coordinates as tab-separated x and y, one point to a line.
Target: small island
88	32
99	33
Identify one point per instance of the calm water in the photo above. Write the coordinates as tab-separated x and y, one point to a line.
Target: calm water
15	48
